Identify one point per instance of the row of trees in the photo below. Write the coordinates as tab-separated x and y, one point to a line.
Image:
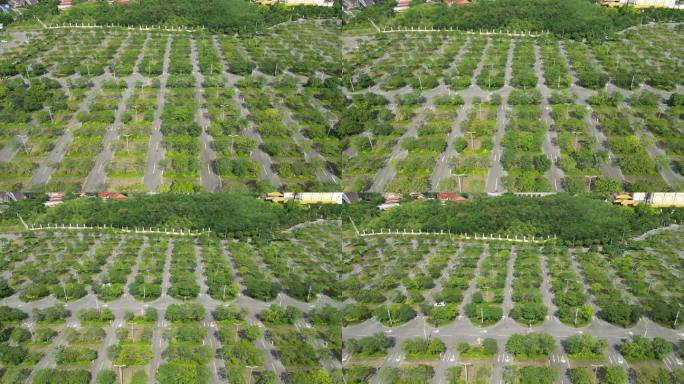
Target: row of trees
566	18
219	15
573	219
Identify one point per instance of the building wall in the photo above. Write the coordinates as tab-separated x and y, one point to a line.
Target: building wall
653	3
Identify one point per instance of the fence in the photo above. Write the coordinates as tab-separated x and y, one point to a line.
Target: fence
141	230
466	236
465	31
127	27
485	32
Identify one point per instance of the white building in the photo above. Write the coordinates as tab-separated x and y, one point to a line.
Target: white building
322	198
643	3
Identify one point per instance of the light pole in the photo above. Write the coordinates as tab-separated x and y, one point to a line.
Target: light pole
251	368
127	136
677	316
23	140
389	315
66	299
574	143
121	367
472	140
460	189
465	368
589	184
232	142
596	367
223	111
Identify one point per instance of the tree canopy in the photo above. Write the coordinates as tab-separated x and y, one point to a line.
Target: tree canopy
568	217
566	18
217	15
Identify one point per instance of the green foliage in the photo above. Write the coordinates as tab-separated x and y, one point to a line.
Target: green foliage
106	376
184	313
9	314
228	16
374	345
229	313
235	214
183	372
575	18
620	313
585	346
535	375
276	314
94	315
52	314
443	315
358	374
423	348
394	314
613	374
421	373
568	217
676	99
530	345
641	348
489	347
580	375
11	355
69	355
61	376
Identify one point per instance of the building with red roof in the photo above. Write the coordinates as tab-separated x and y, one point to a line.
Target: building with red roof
450	196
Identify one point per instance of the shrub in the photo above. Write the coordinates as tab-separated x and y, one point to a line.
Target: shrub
641	348
106	376
531	345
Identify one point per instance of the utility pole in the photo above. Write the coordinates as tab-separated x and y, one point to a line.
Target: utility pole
251	368
23	140
389	315
465	368
677	316
66	299
460	189
126	136
596	367
472	140
232	142
589	185
223	111
121	367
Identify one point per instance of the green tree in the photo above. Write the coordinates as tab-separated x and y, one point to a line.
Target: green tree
614	374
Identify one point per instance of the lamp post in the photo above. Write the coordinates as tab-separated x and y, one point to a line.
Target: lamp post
251	368
589	184
459	176
596	367
23	140
126	136
121	367
232	142
465	368
472	140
